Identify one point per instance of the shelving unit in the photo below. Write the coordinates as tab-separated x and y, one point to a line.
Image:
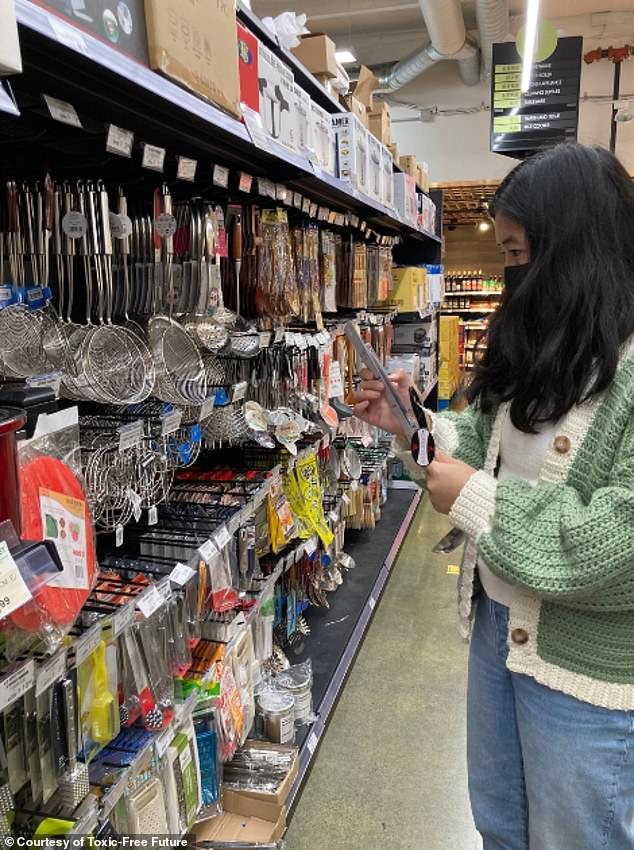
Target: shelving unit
469	310
475	292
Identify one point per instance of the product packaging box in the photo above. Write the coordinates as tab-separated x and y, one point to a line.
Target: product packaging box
409	164
248	60
356	107
375	168
405	200
121	25
197	45
387	177
317	53
280	795
303	120
352	150
323	138
405	287
244	820
424	176
277	98
364	87
10	56
393	149
380	123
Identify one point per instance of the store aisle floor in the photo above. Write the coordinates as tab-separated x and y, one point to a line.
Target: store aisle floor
391	768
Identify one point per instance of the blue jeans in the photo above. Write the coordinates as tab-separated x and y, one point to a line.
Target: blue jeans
546	771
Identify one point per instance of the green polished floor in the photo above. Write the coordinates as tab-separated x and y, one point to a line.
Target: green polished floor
390	772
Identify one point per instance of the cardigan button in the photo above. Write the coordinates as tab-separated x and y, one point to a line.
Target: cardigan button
562	444
519	636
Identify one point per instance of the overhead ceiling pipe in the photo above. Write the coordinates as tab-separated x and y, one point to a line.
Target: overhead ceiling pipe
445	24
493	23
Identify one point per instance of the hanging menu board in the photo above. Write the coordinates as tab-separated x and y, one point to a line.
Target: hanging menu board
522	124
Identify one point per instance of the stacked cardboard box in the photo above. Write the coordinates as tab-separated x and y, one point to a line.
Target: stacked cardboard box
449	373
317	53
380	123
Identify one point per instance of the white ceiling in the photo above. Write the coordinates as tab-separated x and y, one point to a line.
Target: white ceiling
386	30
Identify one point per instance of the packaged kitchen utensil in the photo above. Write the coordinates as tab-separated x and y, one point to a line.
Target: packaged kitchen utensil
298	682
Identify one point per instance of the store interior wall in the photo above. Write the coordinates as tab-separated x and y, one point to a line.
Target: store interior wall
470	249
457	145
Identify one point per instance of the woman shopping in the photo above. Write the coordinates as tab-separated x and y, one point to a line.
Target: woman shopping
539	473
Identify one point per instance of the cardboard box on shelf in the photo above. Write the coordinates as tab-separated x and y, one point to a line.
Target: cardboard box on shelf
248	63
409	165
245	820
380	124
303	122
352	150
317	53
356	107
277	98
387	177
393	149
364	87
201	52
324	139
375	168
123	29
325	81
405	285
405	200
280	796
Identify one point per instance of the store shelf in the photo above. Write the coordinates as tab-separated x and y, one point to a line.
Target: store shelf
476	292
106	86
337	632
469	310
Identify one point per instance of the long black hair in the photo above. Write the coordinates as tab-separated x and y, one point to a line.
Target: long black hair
555	340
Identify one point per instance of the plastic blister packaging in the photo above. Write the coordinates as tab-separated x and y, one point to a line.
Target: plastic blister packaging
207	739
259	768
154	646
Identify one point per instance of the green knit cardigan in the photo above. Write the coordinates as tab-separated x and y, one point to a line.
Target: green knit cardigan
567	545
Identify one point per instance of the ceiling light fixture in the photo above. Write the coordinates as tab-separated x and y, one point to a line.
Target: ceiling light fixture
484	226
530	40
345	57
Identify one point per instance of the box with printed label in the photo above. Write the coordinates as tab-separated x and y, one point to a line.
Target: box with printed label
248	61
323	138
357	108
303	120
405	284
380	123
197	45
277	98
405	199
317	53
387	177
375	167
352	150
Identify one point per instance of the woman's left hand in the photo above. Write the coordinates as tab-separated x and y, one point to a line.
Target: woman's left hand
445	479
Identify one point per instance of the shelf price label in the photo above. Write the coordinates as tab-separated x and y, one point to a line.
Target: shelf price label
221	176
16	684
61	111
186	169
246	182
119	141
153	158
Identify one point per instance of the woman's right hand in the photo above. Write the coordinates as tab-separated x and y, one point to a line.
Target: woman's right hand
371	405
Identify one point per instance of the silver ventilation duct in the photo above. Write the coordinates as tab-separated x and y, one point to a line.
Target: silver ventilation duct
493	23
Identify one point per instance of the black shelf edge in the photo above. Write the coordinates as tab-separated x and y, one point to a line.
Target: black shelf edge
313	734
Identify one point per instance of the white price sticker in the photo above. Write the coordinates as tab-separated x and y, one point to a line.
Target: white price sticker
123	619
207	408
130	435
171	422
120	226
279	334
13	589
310	547
281	193
118	536
75	224
208	550
181	574
62	111
312	742
50	672
240	391
152	516
153	158
246	182
16	684
165	225
87	644
222	537
306	205
150	602
186	169
221	176
265	339
119	141
336	382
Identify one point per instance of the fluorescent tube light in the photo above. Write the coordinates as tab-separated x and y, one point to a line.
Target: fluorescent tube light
530	38
345	57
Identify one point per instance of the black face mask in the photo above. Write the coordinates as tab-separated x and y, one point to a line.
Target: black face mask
514	276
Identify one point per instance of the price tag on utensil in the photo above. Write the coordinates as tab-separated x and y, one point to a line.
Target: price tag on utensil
165	225
16	684
208	550
279	334
181	574
221	176
13	589
310	546
222	537
120	226
336	383
75	224
171	422
153	158
150	602
62	111
186	169
239	391
119	141
265	339
123	619
50	672
152	516
130	435
246	182
87	644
